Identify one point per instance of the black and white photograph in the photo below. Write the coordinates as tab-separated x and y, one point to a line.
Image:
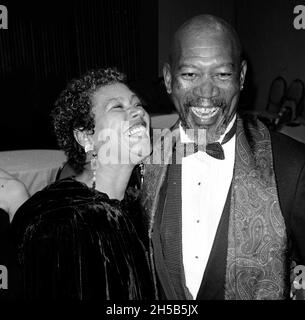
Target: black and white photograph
152	153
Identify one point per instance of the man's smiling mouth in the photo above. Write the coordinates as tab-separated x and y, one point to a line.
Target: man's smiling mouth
203	112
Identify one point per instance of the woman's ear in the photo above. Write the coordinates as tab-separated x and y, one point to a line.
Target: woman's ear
84	139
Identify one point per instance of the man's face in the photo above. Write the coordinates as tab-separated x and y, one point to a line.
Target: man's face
204	81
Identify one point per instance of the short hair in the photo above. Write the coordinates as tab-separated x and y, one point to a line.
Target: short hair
73	110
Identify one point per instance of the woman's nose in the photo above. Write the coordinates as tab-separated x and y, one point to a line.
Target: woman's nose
137	112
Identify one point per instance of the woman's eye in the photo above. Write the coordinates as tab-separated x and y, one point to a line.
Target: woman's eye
117	107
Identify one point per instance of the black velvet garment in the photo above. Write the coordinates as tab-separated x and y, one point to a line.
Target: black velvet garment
74	242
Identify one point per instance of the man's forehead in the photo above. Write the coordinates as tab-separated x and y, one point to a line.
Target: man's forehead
206	47
205	39
203	46
209	50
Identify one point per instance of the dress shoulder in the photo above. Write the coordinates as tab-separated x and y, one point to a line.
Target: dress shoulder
76	242
61	205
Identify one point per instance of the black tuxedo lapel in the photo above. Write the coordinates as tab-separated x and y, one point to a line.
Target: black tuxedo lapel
171	232
166	290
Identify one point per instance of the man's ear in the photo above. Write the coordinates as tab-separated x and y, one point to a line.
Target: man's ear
167	77
242	75
83	139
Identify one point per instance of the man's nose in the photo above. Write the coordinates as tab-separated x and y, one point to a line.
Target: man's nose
206	89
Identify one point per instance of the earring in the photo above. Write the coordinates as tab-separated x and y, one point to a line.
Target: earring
89	149
94	167
142	170
88	146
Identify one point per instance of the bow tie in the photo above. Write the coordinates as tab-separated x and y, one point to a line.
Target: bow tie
214	149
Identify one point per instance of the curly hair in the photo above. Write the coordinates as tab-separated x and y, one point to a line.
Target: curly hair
73	110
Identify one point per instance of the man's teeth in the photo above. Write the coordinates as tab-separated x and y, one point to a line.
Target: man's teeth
136	130
204	112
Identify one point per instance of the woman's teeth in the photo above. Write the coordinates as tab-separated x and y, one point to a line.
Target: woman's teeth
137	130
202	112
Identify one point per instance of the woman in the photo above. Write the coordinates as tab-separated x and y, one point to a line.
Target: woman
77	237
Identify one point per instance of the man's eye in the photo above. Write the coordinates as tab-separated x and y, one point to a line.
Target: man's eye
188	75
224	75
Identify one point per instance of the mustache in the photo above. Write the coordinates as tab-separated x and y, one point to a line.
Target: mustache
201	102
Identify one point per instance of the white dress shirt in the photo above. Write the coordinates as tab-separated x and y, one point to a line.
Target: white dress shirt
205	185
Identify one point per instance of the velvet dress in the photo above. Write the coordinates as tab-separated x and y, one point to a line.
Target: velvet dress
73	242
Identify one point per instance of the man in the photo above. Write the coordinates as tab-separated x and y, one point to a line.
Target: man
228	220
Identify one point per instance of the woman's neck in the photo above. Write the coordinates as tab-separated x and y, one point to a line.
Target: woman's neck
110	179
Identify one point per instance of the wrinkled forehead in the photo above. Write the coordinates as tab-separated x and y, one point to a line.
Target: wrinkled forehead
204	44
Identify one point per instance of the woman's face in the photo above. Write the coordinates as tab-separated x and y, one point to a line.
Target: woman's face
121	134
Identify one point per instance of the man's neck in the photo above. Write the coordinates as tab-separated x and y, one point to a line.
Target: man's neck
187	138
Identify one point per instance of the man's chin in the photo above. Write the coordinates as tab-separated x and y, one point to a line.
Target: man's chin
197	123
214	127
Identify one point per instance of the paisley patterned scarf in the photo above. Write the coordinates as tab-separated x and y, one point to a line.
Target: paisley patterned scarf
257	242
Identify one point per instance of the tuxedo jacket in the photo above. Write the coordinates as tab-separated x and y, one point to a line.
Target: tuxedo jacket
289	169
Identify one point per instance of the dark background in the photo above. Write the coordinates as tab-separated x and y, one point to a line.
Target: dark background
48	43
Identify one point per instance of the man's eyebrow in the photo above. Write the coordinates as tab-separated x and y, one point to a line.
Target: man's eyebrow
227	64
181	66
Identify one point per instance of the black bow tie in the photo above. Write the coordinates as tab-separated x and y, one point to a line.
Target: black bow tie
214	149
